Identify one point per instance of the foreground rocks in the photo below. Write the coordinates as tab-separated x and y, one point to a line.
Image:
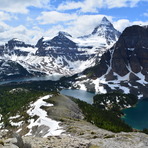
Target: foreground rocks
8	143
111	140
122	140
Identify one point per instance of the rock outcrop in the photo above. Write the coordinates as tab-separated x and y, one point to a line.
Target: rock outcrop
129	54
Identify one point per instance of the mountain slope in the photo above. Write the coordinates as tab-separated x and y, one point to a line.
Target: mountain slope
124	66
12	70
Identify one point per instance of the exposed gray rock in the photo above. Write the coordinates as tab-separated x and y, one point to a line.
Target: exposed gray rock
9	143
121	140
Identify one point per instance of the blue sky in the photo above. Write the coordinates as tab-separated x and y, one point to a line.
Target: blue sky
29	20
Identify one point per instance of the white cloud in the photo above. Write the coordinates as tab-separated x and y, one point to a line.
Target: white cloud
85	6
3	27
141	23
53	17
85	24
122	24
21	6
94	5
52	32
76	25
29	19
146	14
5	16
20	32
91	5
70	5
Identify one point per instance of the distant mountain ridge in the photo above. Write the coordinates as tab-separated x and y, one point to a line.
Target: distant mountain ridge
62	55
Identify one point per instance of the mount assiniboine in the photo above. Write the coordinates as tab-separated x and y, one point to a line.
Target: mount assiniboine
104	60
124	67
60	56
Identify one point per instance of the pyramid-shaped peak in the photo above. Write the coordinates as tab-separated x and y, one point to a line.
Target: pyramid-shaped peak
105	18
105	21
64	33
105	24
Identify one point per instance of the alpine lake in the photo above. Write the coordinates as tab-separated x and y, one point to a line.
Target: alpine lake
136	117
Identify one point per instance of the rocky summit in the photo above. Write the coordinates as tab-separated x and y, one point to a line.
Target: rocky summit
106	29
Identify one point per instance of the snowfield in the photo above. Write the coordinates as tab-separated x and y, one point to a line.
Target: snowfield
51	127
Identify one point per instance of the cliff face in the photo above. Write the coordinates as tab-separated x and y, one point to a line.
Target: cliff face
131	52
128	55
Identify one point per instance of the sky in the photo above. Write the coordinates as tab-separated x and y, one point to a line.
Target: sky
29	20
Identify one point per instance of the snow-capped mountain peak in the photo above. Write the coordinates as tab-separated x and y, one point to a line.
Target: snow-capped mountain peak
105	21
106	30
15	42
103	26
62	33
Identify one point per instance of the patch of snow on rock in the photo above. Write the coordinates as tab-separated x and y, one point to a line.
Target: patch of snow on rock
82	87
18	124
99	88
52	126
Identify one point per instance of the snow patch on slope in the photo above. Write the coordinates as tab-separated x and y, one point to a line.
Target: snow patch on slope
26	49
53	127
98	88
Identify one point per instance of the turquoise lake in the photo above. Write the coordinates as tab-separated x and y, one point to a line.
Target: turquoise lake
137	117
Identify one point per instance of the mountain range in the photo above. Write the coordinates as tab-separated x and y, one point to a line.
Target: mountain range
103	61
59	56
